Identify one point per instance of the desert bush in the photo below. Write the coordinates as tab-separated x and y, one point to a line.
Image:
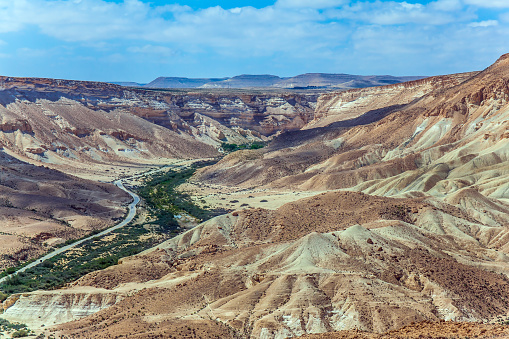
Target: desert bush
229	148
20	334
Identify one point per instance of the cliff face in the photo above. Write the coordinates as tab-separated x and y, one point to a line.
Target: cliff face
59	121
255	110
339	106
56	308
258	114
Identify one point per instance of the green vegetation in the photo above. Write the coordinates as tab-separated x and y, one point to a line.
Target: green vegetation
3	296
95	254
21	330
165	202
10	270
228	148
20	334
161	199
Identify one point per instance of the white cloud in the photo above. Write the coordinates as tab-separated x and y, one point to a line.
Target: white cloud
488	3
153	50
414	50
486	23
310	3
397	13
446	5
307	30
174	8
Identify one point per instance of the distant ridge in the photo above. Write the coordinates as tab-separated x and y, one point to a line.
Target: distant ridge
174	82
127	83
308	80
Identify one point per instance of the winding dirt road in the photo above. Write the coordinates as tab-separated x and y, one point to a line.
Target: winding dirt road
130	216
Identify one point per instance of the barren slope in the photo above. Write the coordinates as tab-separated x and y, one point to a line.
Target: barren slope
339	106
425	330
451	138
70	124
419	232
274	274
66	122
40	207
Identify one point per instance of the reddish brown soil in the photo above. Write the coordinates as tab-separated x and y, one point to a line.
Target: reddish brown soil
435	330
127	317
326	212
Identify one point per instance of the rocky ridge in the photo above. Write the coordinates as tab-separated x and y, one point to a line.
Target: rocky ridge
413	227
61	121
308	80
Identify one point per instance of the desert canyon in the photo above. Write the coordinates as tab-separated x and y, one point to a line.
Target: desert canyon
373	212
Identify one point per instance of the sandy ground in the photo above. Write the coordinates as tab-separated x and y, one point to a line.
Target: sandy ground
235	198
103	172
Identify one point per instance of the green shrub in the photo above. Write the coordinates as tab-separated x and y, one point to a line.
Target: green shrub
165	201
228	148
20	334
161	199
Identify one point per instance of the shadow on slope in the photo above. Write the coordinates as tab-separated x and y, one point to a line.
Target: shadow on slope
297	138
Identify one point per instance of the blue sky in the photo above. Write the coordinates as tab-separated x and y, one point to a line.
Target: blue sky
139	40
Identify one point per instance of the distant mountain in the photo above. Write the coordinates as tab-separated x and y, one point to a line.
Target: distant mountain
173	82
246	81
308	80
128	84
342	80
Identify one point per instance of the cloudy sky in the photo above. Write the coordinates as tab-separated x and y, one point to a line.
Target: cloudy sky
139	40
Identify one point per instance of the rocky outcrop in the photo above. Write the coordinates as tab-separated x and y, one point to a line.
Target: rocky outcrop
19	125
49	308
339	106
144	124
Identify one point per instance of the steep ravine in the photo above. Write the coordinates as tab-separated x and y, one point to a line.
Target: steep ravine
342	259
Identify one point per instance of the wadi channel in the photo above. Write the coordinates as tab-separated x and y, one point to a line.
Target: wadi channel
378	212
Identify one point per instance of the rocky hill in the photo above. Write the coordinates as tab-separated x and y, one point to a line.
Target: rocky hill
337	261
40	208
405	224
68	123
308	80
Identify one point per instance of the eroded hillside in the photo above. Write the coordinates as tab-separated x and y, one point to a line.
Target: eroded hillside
408	222
336	261
68	123
451	138
40	207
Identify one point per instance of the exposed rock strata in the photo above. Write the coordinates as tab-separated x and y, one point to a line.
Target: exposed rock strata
40	207
50	309
420	235
269	274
